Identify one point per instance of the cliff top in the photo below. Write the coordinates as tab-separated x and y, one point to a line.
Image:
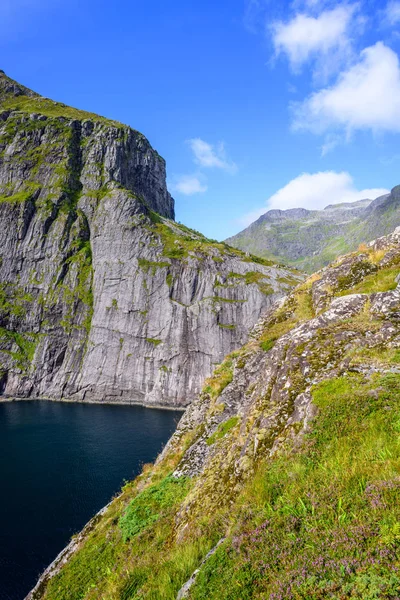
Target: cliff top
17	97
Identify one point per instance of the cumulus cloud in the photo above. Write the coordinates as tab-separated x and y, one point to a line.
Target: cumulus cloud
315	191
188	185
305	37
366	96
209	156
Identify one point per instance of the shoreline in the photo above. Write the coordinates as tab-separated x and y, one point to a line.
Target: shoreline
5	399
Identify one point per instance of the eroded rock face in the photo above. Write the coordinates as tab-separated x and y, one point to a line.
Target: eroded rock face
257	405
102	296
267	399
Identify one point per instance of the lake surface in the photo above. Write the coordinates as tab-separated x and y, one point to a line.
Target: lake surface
59	464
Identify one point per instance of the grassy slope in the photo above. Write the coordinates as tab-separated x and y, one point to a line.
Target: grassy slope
322	522
29	102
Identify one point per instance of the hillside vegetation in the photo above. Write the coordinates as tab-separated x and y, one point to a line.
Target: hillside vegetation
283	478
311	239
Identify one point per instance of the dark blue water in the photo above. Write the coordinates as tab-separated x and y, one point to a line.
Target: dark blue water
59	464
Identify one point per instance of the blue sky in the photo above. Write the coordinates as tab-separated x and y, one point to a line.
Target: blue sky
254	104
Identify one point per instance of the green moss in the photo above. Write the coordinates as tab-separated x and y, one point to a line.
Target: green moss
82	292
25	343
227	300
223	326
254	277
14	301
147	265
154	341
222	430
169	279
265	288
22	196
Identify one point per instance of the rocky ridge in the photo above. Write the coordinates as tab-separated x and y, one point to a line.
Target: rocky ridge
311	239
342	325
103	297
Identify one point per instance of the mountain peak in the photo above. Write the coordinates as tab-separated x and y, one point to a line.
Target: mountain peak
9	88
310	239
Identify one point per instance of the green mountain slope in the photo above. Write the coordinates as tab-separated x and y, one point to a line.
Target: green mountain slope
283	478
310	240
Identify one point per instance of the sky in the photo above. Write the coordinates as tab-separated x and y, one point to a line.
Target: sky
254	104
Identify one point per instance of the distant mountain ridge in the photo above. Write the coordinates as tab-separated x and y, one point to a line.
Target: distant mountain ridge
310	239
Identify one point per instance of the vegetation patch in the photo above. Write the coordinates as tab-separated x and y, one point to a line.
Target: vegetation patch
147	265
50	108
221	377
147	507
381	281
154	341
25	343
323	522
222	430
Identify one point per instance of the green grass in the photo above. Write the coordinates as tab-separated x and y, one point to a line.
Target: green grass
381	281
52	109
25	343
147	265
222	430
146	508
325	522
132	550
221	377
20	197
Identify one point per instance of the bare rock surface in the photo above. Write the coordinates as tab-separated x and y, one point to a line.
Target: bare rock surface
103	297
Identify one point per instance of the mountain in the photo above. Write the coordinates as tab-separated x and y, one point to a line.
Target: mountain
282	479
311	239
103	296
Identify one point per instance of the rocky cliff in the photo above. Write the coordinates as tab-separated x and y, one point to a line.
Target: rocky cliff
282	479
103	297
310	239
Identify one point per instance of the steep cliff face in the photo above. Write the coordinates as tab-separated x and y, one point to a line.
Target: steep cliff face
311	239
282	479
102	296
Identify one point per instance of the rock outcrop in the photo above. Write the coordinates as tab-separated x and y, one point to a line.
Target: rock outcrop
311	239
103	297
341	325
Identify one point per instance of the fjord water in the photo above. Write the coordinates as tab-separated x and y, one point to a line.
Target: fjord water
59	464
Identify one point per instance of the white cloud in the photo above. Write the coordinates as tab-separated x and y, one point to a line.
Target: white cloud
208	156
188	185
306	37
366	96
314	191
392	13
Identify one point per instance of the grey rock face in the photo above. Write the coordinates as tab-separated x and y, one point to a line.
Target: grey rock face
268	398
265	405
101	298
311	239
